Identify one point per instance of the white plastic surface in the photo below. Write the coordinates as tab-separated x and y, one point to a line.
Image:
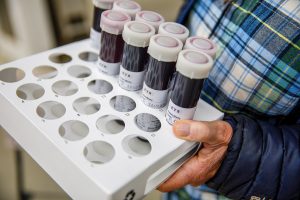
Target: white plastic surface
164	48
194	64
126	6
175	30
202	44
150	17
138	34
90	149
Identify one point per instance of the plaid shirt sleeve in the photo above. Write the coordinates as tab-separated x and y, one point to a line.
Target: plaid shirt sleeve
257	69
258	63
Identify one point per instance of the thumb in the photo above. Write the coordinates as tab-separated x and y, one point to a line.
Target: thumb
212	133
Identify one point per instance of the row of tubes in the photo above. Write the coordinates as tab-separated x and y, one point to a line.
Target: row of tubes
153	55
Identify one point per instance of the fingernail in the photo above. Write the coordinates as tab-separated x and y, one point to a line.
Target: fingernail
182	128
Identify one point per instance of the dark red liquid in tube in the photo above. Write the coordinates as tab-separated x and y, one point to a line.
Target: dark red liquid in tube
135	57
192	68
163	51
159	74
95	32
111	47
186	91
97	18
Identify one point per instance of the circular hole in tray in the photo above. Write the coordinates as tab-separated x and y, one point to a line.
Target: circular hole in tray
30	91
44	72
88	56
147	122
122	103
79	71
110	124
86	105
60	58
100	86
51	110
11	75
64	88
136	145
99	152
73	130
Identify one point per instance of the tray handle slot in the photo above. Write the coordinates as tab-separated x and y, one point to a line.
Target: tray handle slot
167	170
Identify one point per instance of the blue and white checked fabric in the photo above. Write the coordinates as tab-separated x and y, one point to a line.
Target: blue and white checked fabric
257	68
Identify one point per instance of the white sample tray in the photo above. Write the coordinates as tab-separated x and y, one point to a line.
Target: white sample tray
49	104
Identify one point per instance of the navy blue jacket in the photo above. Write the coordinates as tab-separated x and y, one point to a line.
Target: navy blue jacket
263	158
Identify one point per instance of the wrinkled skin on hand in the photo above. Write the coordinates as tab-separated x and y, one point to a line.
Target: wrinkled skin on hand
215	137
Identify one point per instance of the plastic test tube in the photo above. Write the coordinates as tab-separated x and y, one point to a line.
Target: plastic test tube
202	44
111	49
151	18
174	29
192	68
163	51
128	7
135	57
99	7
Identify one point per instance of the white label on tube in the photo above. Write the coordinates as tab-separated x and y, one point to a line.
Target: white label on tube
109	68
95	38
131	81
175	113
154	98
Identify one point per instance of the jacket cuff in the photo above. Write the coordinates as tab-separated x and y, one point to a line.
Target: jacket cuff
231	155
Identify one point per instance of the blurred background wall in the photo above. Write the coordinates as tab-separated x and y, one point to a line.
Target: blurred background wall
31	26
28	27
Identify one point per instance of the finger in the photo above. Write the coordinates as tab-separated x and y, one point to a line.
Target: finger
195	171
182	177
215	132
